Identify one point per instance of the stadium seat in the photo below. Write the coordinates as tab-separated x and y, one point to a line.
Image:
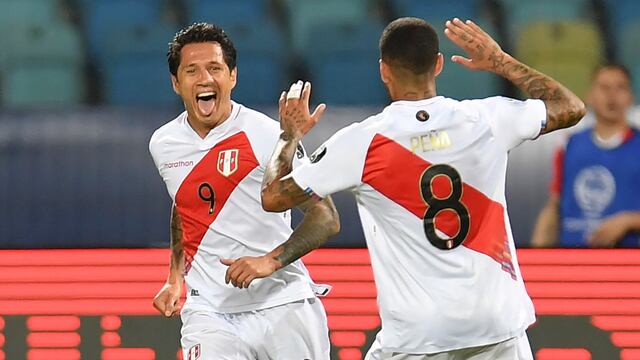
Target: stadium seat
135	68
306	15
622	12
628	49
344	64
463	9
261	60
44	67
568	51
224	13
519	14
102	16
32	11
261	79
458	82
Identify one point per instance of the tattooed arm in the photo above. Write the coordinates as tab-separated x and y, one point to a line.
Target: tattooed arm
564	108
319	223
167	299
280	193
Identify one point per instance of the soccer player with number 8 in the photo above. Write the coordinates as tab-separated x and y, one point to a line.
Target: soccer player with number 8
429	176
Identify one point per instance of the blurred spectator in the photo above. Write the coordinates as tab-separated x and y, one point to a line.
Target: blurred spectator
595	197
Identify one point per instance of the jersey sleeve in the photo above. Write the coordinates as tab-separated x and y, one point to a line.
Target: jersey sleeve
154	150
336	165
513	121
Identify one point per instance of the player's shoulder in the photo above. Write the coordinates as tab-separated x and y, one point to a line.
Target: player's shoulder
361	130
256	123
170	128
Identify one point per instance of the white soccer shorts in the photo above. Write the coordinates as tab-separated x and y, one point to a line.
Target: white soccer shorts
516	348
294	331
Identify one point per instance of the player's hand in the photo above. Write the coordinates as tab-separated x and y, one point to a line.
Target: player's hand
481	49
293	108
243	271
167	300
610	231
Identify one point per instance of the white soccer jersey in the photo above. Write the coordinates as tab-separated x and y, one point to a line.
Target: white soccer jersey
444	158
215	184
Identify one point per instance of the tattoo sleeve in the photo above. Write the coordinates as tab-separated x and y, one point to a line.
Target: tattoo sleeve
177	253
320	222
280	192
564	108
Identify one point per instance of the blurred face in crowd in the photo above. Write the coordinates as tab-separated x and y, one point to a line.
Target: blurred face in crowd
610	96
204	82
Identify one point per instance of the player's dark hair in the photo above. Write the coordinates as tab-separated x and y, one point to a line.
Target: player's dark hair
410	43
200	33
611	65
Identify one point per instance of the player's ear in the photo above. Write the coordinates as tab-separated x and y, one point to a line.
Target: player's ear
234	76
439	64
385	72
174	83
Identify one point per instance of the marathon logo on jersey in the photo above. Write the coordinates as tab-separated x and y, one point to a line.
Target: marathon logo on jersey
178	164
228	161
194	352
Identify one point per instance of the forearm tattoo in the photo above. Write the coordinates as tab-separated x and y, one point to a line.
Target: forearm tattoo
320	222
177	252
279	166
561	102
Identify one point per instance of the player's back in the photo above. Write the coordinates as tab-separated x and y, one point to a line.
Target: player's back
432	204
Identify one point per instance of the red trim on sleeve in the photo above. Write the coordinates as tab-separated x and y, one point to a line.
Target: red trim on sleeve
628	135
555	186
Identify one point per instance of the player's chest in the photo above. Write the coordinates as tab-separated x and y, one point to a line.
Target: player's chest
196	173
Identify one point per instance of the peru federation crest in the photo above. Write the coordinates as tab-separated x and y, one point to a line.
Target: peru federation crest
194	352
228	161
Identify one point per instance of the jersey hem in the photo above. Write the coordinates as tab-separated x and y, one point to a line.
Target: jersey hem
250	307
430	350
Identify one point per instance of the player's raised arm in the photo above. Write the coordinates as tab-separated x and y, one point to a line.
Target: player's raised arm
168	298
280	192
564	108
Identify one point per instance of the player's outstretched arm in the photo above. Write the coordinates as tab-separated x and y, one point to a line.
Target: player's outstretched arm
564	108
167	300
280	193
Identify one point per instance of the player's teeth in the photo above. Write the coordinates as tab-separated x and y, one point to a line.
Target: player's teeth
206	94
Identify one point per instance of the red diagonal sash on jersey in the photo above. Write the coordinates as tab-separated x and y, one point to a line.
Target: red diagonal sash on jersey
395	172
195	213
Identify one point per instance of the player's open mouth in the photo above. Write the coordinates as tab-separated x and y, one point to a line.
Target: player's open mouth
206	101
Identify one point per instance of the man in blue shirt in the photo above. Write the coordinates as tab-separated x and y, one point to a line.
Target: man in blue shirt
595	189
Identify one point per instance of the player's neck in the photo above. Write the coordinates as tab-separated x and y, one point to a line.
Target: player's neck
202	128
413	94
606	129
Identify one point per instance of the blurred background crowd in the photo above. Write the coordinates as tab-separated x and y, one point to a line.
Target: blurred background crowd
83	84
